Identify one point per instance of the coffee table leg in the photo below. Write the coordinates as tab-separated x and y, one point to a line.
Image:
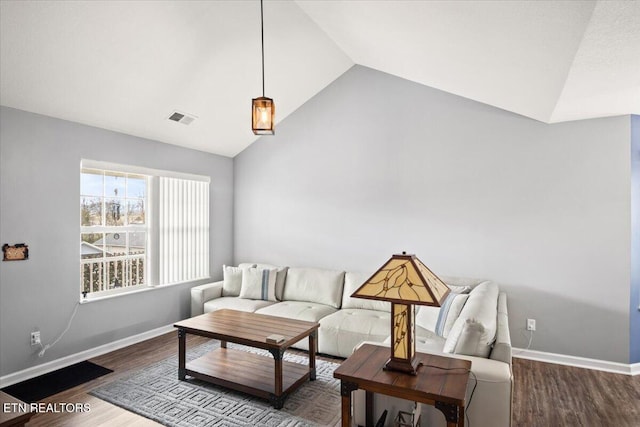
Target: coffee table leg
277	399
223	344
312	355
279	377
182	347
276	402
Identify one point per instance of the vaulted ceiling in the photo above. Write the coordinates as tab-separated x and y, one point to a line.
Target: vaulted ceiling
126	66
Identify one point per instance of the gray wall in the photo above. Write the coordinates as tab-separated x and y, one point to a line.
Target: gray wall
375	164
39	196
635	241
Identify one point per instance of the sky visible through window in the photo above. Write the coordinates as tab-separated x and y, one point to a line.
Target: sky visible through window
114	231
113	183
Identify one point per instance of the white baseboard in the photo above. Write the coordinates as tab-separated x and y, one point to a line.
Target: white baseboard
579	362
53	365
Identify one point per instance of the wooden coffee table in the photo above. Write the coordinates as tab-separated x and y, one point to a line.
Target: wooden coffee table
243	371
441	382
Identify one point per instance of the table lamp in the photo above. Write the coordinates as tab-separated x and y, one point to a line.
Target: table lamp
404	280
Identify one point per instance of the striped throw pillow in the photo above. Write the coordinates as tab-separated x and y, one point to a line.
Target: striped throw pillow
259	284
449	311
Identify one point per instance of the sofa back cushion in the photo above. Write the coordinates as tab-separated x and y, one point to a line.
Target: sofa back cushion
352	281
247	265
458	283
478	321
314	285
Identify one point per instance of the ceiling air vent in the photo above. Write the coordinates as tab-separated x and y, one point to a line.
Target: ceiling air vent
183	118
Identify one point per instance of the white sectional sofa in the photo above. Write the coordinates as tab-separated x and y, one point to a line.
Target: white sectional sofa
472	325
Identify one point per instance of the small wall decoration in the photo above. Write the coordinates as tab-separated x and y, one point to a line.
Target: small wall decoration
17	252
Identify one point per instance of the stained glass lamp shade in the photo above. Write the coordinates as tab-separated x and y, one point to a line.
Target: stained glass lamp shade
403	280
263	112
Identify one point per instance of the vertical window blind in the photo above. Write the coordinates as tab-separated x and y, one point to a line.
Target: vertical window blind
183	221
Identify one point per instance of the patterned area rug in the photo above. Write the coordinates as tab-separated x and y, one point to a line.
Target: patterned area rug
156	393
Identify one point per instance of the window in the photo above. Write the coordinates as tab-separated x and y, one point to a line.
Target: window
141	227
114	230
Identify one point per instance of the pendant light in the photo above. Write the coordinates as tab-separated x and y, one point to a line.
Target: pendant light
262	108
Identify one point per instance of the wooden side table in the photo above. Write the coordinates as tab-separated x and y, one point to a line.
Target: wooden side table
443	388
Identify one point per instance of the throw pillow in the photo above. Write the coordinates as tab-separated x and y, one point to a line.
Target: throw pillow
468	340
232	281
449	311
280	277
441	319
259	284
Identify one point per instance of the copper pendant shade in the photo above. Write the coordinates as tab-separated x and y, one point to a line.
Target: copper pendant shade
263	112
263	109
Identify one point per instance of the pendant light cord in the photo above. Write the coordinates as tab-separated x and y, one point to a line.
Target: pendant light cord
262	41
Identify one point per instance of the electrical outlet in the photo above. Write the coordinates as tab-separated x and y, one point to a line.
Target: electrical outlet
531	324
35	338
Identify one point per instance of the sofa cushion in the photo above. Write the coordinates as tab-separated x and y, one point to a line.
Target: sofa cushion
235	303
352	281
441	319
427	317
314	285
309	311
428	341
343	330
259	284
481	308
232	281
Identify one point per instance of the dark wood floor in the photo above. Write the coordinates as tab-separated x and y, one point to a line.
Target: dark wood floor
545	395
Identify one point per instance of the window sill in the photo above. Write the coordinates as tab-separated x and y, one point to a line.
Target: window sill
90	300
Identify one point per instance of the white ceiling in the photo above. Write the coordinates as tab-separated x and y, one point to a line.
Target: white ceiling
126	66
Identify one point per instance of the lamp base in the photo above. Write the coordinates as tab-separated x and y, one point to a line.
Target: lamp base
408	366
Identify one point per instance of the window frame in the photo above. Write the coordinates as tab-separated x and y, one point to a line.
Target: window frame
152	211
105	230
